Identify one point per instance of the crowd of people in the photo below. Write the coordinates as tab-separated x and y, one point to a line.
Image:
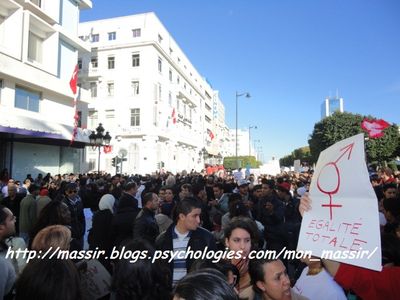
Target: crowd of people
229	211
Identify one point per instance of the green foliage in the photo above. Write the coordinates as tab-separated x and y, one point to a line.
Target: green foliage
230	162
302	153
343	125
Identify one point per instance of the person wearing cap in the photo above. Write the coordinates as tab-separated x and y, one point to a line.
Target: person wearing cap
42	200
243	189
78	221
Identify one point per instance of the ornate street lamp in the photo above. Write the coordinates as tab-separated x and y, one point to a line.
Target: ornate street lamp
98	140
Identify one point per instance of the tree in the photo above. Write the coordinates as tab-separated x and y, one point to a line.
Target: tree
230	162
340	126
303	154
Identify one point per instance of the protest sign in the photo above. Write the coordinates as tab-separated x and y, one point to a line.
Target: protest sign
297	165
96	280
343	224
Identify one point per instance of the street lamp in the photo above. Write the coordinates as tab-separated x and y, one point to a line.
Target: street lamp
98	140
250	127
256	148
247	95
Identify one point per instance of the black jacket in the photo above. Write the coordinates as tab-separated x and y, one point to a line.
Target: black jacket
122	224
145	226
199	240
101	234
274	228
127	200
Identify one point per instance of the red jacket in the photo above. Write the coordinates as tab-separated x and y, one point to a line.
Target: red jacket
368	284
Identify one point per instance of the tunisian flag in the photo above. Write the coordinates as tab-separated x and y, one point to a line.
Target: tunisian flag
374	128
73	85
173	116
74	80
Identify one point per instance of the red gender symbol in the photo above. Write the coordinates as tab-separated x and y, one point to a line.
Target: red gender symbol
348	148
332	192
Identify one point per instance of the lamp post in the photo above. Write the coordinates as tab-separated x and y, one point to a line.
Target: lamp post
250	127
98	140
256	149
247	95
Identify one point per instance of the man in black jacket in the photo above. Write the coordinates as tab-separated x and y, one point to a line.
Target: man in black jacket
126	213
145	225
78	221
183	234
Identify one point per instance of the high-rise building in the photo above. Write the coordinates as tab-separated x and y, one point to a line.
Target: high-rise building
331	105
149	96
38	53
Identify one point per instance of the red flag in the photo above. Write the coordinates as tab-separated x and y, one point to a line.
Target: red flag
374	127
74	80
210	134
107	148
173	116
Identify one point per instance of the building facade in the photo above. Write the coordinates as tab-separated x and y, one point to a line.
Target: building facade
331	105
38	52
147	94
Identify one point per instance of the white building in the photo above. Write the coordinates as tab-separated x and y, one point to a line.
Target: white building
331	105
244	144
38	52
149	96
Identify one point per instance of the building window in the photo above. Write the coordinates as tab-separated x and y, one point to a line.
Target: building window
110	89
26	99
80	64
93	89
136	32
93	116
170	99
111	62
159	91
135	60
79	119
92	163
110	117
159	65
94	61
160	38
95	38
135	117
37	2
170	75
112	36
135	87
35	47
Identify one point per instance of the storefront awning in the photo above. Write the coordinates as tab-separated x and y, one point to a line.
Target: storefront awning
30	129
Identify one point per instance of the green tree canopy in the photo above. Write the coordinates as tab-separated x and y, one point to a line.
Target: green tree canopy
302	153
340	126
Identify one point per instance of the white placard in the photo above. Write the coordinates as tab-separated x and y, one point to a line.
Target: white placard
297	165
343	224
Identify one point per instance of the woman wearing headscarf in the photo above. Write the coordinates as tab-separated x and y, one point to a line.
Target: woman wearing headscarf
101	234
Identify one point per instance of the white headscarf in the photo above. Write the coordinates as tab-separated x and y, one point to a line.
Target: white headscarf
107	202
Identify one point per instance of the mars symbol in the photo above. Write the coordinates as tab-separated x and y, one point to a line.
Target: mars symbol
330	187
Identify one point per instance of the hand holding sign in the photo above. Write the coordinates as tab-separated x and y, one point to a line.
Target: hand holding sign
345	230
